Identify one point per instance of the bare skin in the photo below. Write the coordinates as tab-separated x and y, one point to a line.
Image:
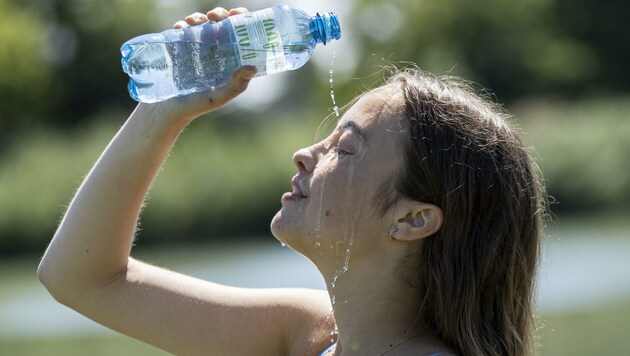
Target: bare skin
88	267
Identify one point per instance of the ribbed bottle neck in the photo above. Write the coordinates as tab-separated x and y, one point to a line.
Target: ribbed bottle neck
325	27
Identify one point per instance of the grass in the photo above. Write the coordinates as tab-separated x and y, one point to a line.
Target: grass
87	345
601	330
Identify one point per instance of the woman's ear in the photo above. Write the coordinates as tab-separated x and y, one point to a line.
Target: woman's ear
415	220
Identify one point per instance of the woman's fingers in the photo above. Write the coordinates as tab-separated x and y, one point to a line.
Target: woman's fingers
217	14
197	104
236	11
180	24
196	19
191	20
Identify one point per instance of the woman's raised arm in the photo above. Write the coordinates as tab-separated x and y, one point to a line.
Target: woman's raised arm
87	264
92	244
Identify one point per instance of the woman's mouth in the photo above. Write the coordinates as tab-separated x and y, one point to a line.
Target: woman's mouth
292	196
296	193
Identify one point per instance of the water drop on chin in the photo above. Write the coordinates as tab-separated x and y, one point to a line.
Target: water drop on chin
283	244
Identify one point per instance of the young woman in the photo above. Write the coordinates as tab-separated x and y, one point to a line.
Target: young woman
422	210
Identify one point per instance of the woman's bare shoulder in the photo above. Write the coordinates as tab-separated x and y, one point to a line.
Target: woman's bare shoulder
303	316
311	322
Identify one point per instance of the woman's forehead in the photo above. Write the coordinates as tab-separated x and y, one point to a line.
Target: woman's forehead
378	103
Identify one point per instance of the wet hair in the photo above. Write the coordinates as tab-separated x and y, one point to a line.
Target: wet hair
475	277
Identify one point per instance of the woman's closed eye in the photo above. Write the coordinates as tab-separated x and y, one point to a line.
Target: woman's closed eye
341	152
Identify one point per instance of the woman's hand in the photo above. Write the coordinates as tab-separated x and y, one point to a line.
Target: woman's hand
191	106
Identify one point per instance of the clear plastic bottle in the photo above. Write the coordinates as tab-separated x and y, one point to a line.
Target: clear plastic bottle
196	58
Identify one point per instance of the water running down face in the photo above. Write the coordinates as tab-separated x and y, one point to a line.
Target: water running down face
331	202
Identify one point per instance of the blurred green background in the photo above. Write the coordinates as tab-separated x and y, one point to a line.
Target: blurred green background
560	66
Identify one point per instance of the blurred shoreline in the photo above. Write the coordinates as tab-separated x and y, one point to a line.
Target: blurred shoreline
584	265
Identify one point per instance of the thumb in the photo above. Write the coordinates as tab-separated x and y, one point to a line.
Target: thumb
235	86
196	104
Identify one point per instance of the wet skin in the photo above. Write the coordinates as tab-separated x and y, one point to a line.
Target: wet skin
330	207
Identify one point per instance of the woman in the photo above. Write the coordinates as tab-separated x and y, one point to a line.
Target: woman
422	210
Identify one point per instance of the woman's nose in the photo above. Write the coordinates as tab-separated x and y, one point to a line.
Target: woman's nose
305	160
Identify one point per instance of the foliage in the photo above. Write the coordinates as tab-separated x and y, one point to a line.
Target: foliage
582	148
522	48
60	59
21	65
226	178
38	177
215	182
62	95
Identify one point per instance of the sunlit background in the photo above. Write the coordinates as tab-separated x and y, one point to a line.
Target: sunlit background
561	66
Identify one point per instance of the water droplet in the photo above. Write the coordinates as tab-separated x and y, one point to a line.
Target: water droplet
332	70
317	244
283	244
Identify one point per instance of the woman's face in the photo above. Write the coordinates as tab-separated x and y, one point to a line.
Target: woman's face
331	204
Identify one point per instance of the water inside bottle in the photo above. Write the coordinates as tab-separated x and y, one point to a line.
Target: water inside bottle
160	70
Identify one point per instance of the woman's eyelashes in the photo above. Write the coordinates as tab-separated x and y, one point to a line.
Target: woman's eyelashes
341	152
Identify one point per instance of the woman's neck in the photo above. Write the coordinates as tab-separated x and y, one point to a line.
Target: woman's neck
375	310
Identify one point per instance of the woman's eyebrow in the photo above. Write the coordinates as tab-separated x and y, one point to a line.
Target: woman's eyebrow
355	128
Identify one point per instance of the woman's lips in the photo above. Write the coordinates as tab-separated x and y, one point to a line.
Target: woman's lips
296	194
291	196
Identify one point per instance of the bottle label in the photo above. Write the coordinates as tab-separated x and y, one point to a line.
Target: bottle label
259	42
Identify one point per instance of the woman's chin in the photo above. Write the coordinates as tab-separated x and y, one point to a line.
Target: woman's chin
278	227
291	236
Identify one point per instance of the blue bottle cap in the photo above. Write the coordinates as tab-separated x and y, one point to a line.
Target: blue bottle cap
325	27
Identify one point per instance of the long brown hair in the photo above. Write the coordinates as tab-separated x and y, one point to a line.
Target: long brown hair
476	276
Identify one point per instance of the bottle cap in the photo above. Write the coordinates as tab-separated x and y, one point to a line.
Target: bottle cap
325	27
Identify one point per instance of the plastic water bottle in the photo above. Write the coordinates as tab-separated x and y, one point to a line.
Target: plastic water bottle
196	58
